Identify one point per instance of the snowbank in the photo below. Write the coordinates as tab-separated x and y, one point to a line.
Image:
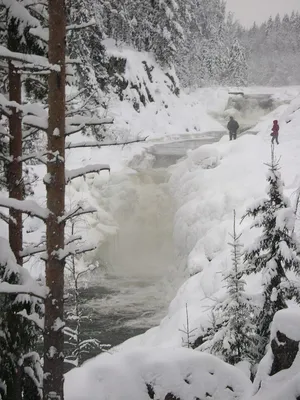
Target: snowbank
144	374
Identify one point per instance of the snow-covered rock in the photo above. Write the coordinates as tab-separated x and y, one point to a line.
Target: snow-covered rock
278	373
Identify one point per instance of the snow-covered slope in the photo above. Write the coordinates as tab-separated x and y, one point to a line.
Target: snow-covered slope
146	100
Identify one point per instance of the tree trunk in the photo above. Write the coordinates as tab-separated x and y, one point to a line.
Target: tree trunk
53	336
14	179
14	170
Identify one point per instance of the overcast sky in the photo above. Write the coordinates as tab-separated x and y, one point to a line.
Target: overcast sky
248	11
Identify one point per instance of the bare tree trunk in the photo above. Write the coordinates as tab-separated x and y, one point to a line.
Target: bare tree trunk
54	337
14	170
14	179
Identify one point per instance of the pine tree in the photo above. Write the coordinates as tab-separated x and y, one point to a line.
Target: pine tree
202	57
237	68
234	332
19	332
20	366
274	252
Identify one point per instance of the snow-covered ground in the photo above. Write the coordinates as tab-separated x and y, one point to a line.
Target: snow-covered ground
145	374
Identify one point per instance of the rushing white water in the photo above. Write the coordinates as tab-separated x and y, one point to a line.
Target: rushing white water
140	274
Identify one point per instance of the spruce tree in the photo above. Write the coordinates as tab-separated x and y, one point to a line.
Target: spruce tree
237	68
233	338
274	252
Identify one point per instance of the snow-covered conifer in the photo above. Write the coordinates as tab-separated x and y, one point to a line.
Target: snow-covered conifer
21	314
274	252
237	68
234	332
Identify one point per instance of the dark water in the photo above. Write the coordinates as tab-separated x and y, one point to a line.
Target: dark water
107	327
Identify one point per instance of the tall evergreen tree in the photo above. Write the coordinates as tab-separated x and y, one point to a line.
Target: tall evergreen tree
234	337
274	252
237	68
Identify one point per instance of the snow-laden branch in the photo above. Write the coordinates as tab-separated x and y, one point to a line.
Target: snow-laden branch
32	250
73	124
79	210
30	109
19	12
43	33
40	156
29	207
26	284
40	33
40	123
76	123
31	61
34	318
23	289
73	27
80	145
76	173
74	251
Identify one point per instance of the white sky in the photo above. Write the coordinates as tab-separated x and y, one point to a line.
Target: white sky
248	11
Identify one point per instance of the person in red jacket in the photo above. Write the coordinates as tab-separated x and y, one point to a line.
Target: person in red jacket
275	131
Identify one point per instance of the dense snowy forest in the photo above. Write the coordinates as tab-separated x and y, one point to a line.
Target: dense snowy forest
206	45
73	76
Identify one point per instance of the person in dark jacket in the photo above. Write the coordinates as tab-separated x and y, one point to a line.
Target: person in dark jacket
233	127
275	131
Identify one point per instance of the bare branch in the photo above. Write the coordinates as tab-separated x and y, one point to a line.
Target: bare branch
81	145
79	210
5	218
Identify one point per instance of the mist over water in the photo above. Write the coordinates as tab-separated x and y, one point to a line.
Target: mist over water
140	273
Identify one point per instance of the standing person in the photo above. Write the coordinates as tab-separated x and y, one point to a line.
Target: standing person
275	131
232	126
